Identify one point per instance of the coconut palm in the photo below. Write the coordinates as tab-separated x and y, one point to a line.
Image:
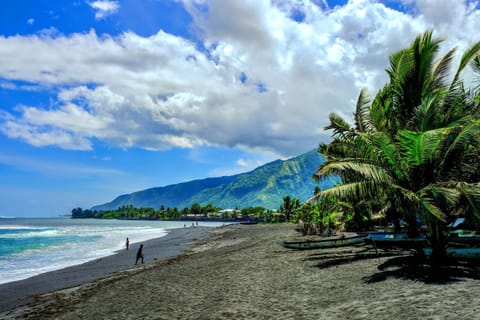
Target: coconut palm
416	144
289	206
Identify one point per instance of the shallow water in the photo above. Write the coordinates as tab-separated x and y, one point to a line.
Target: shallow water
32	246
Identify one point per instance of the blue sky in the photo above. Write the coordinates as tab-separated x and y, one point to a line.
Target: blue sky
102	98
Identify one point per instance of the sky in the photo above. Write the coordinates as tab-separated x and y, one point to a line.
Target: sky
103	98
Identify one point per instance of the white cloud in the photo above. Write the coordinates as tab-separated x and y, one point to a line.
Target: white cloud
242	162
41	136
104	8
267	82
31	21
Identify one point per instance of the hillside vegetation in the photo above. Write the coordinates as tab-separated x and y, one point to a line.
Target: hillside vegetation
264	186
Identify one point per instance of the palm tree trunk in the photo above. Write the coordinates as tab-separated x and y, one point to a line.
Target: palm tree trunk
439	242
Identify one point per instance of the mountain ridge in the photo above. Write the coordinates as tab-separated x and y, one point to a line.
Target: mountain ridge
264	186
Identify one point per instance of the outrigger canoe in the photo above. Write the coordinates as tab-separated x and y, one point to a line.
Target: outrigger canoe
395	240
468	240
459	253
401	240
332	242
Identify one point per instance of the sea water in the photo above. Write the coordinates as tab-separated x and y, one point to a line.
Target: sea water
32	246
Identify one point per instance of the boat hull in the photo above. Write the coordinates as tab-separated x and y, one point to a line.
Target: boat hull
465	240
395	240
459	253
324	243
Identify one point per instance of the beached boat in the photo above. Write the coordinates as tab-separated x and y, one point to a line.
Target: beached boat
464	237
465	240
331	242
459	253
396	240
401	240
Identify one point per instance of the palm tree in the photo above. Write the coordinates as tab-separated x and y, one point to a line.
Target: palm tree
416	144
289	206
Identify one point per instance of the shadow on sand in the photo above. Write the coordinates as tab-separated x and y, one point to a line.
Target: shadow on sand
419	268
401	265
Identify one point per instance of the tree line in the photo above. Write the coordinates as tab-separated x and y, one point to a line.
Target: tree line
256	213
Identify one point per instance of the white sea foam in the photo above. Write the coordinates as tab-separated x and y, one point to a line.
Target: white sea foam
14	227
30	234
59	243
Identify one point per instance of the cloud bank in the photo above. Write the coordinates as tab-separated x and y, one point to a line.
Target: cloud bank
263	76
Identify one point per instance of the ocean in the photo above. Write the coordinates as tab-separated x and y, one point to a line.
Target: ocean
37	245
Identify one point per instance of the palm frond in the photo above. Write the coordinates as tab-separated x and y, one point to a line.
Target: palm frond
368	171
420	148
467	135
424	49
339	148
468	56
365	147
430	207
441	70
436	196
388	154
475	64
411	145
471	193
353	191
427	115
339	126
362	112
383	111
449	196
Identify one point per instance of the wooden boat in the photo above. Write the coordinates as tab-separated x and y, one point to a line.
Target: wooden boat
331	242
395	240
466	241
401	240
459	253
463	237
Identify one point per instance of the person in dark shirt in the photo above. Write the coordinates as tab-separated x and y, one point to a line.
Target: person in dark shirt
139	254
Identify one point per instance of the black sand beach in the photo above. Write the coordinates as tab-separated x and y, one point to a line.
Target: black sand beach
20	293
241	272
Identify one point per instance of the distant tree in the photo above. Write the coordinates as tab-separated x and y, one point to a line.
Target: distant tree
196	209
175	214
254	212
77	213
185	211
289	206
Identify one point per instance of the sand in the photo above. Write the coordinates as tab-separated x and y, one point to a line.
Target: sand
241	272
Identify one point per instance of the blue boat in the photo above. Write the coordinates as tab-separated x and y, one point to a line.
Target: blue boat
464	237
459	253
396	240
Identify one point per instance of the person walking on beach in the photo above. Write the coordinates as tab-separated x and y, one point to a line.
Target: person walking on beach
139	254
127	243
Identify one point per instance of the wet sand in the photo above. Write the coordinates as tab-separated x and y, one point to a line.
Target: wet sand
241	272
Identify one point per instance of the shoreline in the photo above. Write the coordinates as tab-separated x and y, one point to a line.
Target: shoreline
242	272
22	292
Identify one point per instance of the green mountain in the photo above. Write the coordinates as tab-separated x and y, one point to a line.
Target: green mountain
264	186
